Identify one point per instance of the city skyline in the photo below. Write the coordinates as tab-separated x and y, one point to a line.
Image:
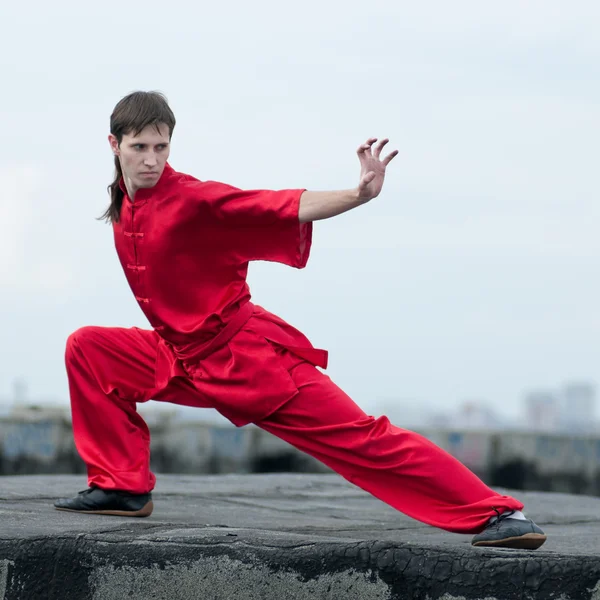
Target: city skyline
548	409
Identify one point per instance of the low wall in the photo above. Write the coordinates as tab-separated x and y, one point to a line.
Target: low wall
41	443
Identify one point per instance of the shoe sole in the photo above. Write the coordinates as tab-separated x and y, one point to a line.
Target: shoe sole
146	511
529	541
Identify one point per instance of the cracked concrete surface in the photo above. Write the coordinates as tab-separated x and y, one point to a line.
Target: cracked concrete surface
279	536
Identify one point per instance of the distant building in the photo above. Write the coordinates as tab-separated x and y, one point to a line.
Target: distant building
542	411
579	406
21	404
476	414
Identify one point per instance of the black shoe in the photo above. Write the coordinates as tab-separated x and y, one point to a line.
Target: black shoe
108	502
505	532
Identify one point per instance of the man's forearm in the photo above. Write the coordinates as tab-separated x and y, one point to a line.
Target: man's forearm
315	206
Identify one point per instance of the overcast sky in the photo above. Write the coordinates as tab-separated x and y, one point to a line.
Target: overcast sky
473	276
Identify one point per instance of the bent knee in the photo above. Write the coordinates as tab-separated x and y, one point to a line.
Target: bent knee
80	338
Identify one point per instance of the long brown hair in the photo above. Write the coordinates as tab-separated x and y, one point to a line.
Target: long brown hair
131	115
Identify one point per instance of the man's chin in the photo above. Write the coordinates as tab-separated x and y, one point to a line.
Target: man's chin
147	183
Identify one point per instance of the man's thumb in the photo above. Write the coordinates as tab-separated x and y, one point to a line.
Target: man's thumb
367	178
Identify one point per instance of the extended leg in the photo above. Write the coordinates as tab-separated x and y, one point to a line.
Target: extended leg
397	466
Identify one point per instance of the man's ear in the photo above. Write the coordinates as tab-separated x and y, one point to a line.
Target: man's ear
114	144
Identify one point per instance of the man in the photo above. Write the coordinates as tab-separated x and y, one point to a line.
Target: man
185	246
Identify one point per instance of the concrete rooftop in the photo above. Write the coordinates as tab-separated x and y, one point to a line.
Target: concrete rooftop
281	537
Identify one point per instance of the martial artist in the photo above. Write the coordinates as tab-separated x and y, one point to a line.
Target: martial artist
185	246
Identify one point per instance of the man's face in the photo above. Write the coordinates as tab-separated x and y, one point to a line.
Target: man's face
143	156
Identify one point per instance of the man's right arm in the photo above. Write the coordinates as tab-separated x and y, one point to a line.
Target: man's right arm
315	206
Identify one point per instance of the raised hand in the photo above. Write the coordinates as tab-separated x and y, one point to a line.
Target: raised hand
372	168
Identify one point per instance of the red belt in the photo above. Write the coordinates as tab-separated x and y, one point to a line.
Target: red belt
169	358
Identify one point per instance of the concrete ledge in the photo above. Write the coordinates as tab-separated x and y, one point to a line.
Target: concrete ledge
280	537
39	440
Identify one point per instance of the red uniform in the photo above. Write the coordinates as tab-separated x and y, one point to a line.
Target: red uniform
185	246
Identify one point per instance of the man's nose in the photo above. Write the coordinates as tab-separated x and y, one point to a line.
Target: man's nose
150	159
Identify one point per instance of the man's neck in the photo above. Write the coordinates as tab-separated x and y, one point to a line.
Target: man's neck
131	189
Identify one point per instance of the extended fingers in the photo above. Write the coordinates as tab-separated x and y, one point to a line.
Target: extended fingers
388	159
379	147
366	147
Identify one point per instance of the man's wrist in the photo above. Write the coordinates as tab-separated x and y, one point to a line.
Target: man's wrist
356	199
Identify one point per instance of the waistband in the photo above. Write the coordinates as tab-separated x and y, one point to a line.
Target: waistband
168	356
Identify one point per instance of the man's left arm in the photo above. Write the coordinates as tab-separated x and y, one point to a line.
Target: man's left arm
315	206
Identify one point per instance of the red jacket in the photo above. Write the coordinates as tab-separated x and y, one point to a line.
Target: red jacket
185	246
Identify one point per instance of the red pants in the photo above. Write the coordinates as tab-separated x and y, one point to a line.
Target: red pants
110	369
